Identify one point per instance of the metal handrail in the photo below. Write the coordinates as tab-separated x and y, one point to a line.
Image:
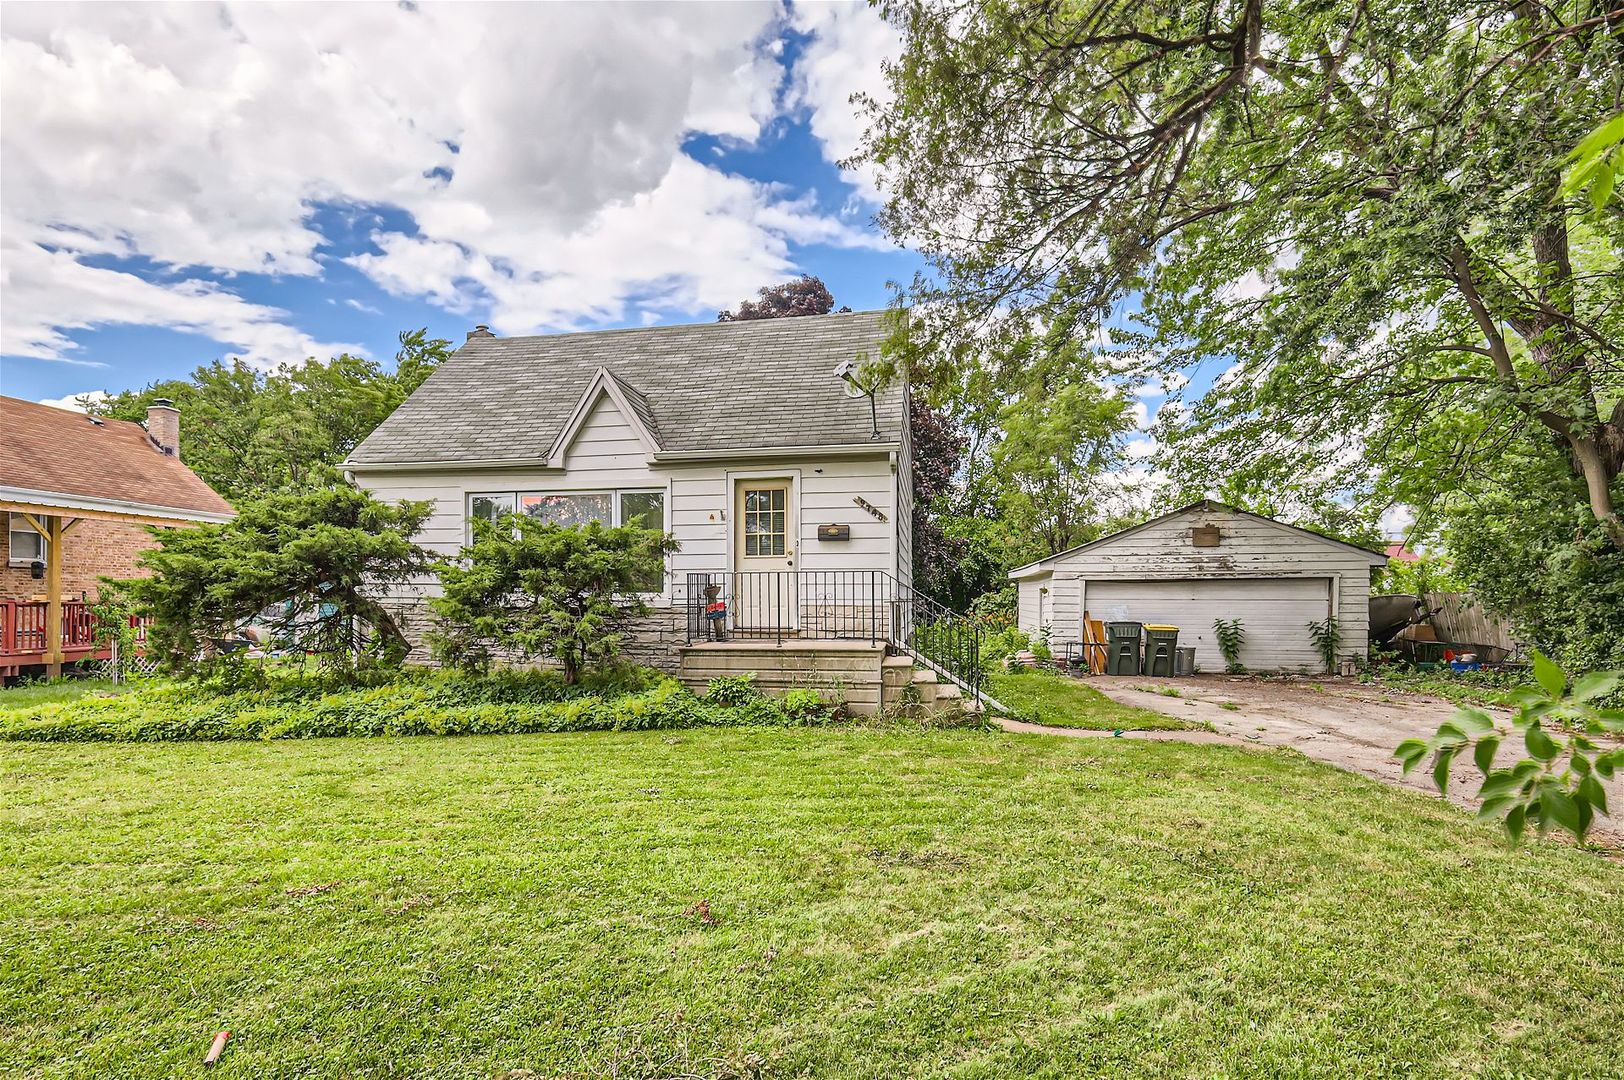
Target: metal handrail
849	605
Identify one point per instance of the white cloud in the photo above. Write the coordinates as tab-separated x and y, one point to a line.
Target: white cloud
1396	521
536	148
50	292
846	56
74	402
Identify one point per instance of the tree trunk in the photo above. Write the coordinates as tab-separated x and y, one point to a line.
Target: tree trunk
1598	484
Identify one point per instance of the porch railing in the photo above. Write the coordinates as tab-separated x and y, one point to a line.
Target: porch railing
846	605
22	627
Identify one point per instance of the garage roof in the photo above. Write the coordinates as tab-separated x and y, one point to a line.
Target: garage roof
1205	506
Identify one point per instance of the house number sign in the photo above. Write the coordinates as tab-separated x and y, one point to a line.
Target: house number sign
879	515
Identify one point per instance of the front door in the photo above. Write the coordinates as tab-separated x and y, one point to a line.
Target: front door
764	592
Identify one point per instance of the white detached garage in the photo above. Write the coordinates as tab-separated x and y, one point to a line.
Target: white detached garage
1206	562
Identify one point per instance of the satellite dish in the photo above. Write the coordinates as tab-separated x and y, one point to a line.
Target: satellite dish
846	372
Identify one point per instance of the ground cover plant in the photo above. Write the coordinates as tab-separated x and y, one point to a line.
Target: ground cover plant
774	903
1483	687
410	703
1046	697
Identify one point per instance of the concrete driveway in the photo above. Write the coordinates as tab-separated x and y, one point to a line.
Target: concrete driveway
1345	723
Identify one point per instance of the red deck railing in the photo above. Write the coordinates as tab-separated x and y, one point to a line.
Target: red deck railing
22	629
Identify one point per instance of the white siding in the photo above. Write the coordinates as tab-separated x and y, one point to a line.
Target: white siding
1249	548
829	493
606	455
1033	606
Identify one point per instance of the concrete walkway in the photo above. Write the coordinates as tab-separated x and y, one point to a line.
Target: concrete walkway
1341	722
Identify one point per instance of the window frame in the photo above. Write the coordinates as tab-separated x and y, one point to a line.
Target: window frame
516	495
16	523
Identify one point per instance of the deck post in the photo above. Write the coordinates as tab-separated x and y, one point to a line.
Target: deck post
53	596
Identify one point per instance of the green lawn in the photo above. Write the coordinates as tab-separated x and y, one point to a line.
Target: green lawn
1060	701
883	903
41	693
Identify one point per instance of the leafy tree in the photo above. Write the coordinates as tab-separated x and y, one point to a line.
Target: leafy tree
1559	785
1533	553
248	432
1595	165
1056	452
1429	573
806	295
526	589
938	448
319	556
1357	209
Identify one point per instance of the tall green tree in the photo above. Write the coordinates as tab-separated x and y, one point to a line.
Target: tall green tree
1057	452
1355	210
248	432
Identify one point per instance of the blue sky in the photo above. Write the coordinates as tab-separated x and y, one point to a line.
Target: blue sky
162	209
180	184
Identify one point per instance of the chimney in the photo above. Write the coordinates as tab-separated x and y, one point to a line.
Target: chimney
480	331
163	425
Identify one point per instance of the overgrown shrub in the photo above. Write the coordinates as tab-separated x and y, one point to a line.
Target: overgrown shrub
997	648
805	706
531	589
313	561
513	702
997	608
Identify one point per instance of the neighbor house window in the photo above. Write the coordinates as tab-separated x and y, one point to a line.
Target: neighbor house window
26	545
643	509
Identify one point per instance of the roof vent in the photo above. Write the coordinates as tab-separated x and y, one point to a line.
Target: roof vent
480	331
94	420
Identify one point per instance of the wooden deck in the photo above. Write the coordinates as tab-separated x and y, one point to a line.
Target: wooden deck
23	635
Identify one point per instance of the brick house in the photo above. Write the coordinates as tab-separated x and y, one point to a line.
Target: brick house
76	496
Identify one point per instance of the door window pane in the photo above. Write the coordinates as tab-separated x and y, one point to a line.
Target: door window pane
575	509
765	521
644	509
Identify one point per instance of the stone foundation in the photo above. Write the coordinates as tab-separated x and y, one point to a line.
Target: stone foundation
656	640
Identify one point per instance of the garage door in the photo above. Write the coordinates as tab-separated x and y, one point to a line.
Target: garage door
1275	613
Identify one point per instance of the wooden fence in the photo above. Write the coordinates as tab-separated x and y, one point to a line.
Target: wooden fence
1458	618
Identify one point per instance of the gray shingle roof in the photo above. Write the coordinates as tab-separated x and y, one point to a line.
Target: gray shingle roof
710	386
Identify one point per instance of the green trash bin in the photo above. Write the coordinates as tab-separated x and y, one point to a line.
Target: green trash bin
1123	657
1161	649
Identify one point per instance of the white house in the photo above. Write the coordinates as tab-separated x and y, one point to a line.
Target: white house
788	489
1202	563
